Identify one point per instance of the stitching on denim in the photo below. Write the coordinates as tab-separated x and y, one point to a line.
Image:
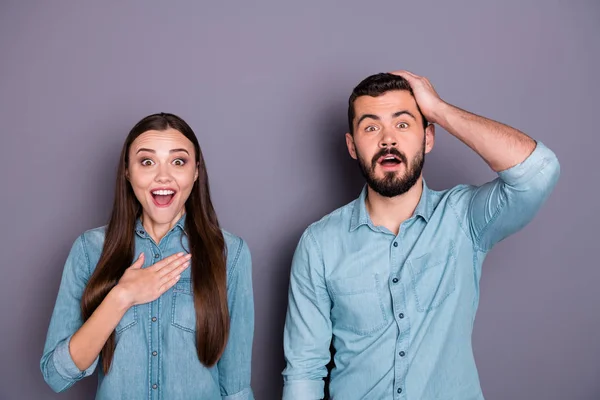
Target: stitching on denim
237	257
132	323
375	291
175	297
458	220
149	344
442	297
320	254
177	293
158	347
84	245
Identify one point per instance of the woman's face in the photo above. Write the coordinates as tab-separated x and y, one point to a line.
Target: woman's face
162	171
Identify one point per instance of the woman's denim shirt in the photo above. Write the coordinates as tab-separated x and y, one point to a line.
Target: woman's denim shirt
155	355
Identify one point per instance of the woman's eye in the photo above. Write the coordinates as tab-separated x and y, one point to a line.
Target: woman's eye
147	162
179	162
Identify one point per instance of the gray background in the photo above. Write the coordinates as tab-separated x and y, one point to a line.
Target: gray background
265	87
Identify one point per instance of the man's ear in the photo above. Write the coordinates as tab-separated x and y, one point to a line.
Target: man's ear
429	137
351	146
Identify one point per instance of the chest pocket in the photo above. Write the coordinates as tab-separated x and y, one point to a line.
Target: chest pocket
128	320
433	278
358	304
183	314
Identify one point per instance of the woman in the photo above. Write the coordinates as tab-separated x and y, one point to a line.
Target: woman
162	297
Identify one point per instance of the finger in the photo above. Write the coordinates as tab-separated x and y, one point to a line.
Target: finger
399	72
174	265
139	262
169	284
166	261
174	272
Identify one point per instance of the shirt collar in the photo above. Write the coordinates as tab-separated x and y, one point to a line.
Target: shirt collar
360	215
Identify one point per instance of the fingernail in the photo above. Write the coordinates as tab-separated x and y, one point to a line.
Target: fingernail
188	256
179	254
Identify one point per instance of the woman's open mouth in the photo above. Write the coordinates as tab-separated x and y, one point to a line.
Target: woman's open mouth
163	197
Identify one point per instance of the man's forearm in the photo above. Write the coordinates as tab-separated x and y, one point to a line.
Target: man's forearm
501	146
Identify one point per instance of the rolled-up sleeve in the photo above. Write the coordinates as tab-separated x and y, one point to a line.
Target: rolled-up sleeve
307	333
57	365
236	362
505	205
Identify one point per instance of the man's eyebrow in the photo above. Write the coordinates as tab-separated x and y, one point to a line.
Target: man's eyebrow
403	112
365	116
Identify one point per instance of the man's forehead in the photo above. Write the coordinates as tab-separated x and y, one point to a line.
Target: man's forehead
393	101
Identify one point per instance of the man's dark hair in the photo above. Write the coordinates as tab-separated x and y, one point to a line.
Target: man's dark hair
376	85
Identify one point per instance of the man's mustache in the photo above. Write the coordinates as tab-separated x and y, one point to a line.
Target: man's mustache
391	151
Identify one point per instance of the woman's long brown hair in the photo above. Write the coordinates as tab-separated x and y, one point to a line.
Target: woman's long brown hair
206	245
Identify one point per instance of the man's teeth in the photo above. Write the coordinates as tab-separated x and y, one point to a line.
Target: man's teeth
162	192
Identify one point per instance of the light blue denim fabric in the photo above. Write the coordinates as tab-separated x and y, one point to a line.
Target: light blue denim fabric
400	308
155	357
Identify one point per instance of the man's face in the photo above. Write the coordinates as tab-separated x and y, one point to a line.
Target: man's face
389	141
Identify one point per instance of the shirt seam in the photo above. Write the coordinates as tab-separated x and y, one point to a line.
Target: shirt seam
237	257
87	257
460	224
320	254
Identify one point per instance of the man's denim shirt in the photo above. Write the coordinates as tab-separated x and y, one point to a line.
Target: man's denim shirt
400	308
155	356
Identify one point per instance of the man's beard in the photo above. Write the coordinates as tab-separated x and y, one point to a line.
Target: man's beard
391	185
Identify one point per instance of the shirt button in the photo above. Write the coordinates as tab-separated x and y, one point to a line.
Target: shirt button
395	244
153	319
399	390
154	386
395	280
402	354
401	315
154	353
141	232
156	255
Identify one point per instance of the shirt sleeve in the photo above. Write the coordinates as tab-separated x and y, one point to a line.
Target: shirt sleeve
505	205
57	365
235	363
307	332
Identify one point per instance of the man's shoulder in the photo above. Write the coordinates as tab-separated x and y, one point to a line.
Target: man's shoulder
333	223
458	196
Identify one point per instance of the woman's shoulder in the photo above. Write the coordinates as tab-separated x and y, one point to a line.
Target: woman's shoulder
92	241
238	251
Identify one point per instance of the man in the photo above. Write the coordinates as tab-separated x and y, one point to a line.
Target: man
392	279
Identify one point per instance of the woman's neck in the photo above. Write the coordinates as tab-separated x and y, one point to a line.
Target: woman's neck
158	230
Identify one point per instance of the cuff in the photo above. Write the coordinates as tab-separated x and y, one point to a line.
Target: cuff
65	365
530	167
245	394
303	389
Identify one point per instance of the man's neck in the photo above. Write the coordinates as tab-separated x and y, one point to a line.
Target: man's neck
390	212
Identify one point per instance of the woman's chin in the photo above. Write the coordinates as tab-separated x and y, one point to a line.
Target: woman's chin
162	215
